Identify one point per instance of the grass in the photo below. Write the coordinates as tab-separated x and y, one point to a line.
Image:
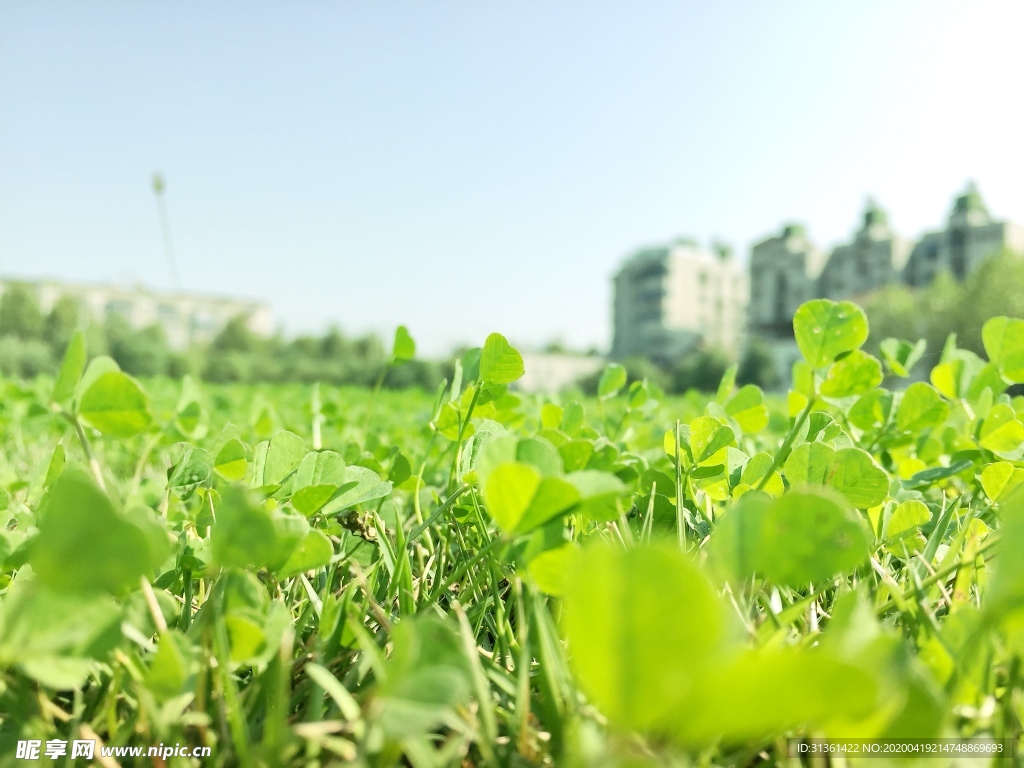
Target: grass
303	576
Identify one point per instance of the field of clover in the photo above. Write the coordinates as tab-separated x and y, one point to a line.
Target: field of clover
303	576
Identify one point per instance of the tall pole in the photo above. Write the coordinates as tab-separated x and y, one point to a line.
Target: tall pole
165	225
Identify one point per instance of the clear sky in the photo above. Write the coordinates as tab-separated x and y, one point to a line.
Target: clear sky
464	167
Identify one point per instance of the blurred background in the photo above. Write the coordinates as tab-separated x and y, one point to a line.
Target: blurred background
262	192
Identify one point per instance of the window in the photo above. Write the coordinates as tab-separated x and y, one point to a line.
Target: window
781	289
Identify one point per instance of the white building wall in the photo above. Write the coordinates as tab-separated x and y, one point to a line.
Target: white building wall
551	373
185	318
667	300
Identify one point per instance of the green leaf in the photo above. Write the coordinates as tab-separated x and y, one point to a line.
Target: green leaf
320	468
1000	479
901	356
359	485
284	453
857	477
1003	338
244	534
854	374
1001	432
404	347
550	568
191	471
426	676
708	436
799	539
53	469
500	362
613	379
643	626
519	499
172	666
96	368
810	463
920	408
232	460
748	409
86	545
190	418
56	636
551	416
70	369
906	519
311	498
115	405
872	409
825	329
850	471
599	493
726	384
314	551
290	531
769	691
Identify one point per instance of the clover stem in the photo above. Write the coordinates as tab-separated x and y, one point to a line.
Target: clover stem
94	466
783	452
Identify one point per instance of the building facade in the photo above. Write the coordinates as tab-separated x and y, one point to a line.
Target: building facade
788	269
554	371
185	318
970	237
670	299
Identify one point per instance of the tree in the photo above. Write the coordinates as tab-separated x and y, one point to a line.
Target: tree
894	311
20	315
62	321
758	366
701	370
139	352
995	288
235	336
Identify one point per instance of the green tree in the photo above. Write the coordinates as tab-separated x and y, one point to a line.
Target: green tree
235	336
20	315
141	352
995	288
895	311
758	366
25	358
701	370
62	321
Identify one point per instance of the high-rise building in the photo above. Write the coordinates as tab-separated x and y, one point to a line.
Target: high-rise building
875	257
784	272
970	237
670	299
787	270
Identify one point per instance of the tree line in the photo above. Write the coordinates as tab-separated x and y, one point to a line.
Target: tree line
32	342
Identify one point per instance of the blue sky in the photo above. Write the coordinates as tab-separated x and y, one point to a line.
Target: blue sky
467	167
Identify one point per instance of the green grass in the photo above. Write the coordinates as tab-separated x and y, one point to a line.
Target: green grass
302	576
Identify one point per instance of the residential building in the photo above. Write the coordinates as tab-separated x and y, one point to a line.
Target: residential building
787	270
784	272
670	299
970	237
554	371
875	257
185	317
